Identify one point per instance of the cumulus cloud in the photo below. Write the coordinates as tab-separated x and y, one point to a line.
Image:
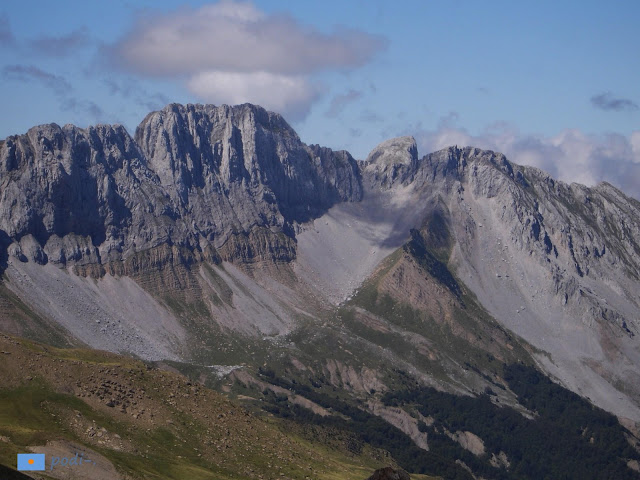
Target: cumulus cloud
606	101
282	93
339	102
29	73
237	37
571	155
62	45
228	49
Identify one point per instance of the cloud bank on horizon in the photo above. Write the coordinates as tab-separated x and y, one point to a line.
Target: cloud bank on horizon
389	72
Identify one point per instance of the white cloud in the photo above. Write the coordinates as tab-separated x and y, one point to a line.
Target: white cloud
231	51
571	155
281	93
237	37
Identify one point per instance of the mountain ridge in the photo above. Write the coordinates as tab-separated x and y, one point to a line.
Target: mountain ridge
215	238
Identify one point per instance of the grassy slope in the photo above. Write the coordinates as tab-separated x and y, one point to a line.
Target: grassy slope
173	430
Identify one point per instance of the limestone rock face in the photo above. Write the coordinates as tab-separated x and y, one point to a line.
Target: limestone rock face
244	161
557	264
194	176
584	241
82	195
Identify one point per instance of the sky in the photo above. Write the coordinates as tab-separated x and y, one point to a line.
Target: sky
552	84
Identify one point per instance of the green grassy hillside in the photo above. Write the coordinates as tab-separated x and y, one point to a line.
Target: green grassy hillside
145	423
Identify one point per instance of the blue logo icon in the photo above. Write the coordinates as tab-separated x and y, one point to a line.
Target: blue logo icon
31	461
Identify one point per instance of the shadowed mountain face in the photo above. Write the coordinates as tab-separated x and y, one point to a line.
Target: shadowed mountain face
284	272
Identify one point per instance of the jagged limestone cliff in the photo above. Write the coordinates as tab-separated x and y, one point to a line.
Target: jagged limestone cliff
195	176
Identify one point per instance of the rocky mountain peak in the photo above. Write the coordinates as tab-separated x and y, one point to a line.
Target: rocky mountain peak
68	146
545	257
194	175
187	143
393	161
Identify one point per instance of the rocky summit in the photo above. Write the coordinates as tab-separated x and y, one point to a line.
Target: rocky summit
412	304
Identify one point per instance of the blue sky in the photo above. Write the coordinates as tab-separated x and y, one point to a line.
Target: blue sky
551	84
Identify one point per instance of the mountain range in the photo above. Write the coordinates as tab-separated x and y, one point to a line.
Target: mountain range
412	302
